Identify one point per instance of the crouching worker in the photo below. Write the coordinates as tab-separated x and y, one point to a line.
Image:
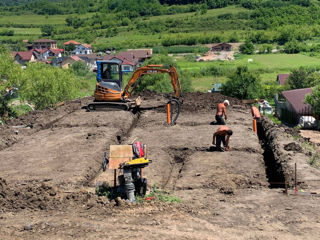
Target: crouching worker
222	135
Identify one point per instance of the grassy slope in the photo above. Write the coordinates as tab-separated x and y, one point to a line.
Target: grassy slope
271	64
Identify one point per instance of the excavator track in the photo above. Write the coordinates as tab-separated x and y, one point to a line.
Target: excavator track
109	106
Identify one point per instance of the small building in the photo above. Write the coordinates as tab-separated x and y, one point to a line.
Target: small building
137	56
82	49
71	42
90	59
127	66
282	79
44	43
221	47
24	57
66	63
44	54
293	106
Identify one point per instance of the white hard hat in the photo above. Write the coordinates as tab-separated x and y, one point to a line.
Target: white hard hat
227	102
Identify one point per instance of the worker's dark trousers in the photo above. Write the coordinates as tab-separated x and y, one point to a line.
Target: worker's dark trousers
259	127
220	120
220	139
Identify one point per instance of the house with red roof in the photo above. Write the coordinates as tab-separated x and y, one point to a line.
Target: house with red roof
137	56
82	49
294	106
127	66
24	57
282	79
71	42
66	63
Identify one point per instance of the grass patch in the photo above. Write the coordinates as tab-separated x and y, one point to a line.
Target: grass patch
160	195
39	19
203	84
273	119
314	161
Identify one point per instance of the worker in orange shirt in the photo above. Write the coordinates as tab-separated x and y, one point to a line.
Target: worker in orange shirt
255	113
222	111
222	135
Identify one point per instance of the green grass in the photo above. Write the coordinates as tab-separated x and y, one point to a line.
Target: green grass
203	84
284	61
269	64
210	13
39	19
26	31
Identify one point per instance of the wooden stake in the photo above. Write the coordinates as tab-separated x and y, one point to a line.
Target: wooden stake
295	179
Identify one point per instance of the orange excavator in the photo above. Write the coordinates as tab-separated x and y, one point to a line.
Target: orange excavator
109	94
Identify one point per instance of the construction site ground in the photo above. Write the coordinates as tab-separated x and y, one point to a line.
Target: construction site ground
50	165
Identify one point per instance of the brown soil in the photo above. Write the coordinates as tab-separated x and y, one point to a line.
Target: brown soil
51	163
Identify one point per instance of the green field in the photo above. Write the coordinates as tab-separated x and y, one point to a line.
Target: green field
268	67
26	31
38	19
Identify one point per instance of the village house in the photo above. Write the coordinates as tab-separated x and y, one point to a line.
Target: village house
67	62
126	65
90	59
221	47
82	49
44	43
45	54
24	57
293	107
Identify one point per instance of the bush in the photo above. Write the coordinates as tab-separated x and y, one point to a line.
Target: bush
45	85
247	48
243	84
161	82
80	68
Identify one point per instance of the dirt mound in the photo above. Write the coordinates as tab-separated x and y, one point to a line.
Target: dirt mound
41	196
197	101
293	147
35	118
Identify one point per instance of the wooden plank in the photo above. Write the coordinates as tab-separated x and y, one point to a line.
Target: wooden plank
119	154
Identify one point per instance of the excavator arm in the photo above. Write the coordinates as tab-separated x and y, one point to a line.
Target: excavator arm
153	69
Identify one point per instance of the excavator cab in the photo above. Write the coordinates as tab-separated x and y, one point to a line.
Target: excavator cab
109	74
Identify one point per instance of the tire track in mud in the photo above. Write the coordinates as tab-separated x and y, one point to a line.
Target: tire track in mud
179	158
39	127
120	138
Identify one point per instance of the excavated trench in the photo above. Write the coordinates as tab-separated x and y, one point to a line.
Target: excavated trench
274	169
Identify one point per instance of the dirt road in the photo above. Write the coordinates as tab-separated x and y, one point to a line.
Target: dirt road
51	162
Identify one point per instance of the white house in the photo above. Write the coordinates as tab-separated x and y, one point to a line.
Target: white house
82	49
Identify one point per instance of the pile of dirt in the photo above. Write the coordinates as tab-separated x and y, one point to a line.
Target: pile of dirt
293	146
42	196
197	101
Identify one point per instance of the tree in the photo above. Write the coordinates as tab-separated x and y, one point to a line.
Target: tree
247	48
11	75
314	100
46	85
161	82
243	84
70	47
80	68
297	78
47	30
